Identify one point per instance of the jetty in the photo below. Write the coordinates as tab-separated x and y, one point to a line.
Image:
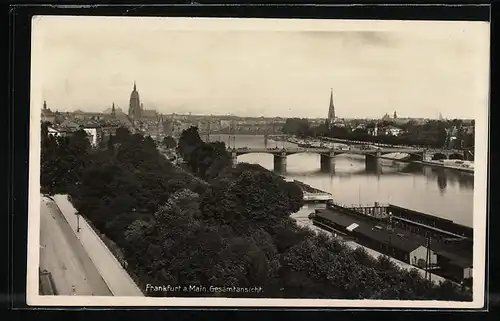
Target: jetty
313	195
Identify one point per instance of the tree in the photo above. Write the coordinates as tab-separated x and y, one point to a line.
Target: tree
169	142
295	196
297	126
242	203
122	135
188	142
176	228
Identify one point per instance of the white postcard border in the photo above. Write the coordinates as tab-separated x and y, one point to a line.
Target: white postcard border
480	179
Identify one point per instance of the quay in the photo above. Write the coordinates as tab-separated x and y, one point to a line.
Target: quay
418	239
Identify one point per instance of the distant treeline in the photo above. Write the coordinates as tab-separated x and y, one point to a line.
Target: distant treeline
435	134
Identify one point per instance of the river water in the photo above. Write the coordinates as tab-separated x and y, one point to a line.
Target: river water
436	191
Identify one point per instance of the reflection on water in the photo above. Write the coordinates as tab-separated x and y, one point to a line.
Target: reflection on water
436	191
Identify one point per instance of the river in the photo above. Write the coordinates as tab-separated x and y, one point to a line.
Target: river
436	191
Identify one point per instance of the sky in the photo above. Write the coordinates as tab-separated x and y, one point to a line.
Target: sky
257	67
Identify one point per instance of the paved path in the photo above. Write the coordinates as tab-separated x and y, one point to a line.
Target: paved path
117	279
62	254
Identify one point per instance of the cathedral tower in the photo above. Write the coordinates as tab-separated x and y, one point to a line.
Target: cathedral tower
134	110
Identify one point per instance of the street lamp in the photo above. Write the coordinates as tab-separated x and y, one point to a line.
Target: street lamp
390	230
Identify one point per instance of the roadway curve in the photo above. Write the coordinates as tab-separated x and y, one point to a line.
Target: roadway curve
62	254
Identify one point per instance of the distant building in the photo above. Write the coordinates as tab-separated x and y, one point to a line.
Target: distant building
47	114
395	115
136	110
99	133
92	133
373	130
53	132
386	117
392	130
331	111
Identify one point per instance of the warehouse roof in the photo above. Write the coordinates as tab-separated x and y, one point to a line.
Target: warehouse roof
398	238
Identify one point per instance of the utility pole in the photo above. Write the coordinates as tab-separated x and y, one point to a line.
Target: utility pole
389	231
428	257
234	134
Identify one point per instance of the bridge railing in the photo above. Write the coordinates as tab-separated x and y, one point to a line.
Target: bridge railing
354	206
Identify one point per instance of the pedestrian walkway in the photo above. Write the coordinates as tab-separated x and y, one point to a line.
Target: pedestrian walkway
118	280
72	272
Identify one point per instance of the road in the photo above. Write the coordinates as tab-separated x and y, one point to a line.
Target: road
118	280
62	254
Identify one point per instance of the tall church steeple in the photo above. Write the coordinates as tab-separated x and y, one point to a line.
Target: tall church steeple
44	105
113	110
331	110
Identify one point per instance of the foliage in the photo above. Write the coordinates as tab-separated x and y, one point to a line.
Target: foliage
433	133
169	142
175	228
63	160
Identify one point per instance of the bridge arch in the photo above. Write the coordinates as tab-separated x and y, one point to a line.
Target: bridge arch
304	152
241	153
456	156
439	156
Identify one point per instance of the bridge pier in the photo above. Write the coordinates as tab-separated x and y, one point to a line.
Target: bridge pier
327	162
280	162
372	162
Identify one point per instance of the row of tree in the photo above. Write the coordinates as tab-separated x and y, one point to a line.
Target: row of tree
217	226
433	133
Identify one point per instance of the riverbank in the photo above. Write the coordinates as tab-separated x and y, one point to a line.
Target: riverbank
445	166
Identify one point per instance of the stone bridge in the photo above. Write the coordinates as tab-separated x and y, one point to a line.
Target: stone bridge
372	154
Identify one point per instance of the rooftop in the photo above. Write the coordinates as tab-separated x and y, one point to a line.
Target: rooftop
399	238
375	230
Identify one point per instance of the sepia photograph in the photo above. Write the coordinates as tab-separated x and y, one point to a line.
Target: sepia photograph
257	162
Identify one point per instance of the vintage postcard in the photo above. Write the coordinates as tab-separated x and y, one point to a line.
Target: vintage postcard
258	162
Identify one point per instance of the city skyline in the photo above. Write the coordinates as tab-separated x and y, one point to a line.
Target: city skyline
219	71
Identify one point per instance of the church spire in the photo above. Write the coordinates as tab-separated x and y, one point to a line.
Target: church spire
113	110
331	109
45	105
135	87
